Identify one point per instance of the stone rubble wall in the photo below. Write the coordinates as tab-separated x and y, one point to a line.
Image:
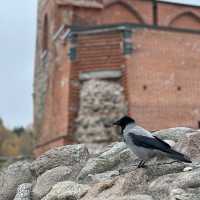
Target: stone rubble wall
101	102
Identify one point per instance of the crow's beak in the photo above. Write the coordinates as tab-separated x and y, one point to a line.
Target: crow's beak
115	123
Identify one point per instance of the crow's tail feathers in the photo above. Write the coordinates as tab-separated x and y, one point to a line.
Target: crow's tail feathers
178	156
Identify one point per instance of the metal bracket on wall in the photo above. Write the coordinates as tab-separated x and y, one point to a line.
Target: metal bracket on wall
72	53
127	38
72	50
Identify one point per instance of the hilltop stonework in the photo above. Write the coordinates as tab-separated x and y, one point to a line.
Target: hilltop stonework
71	172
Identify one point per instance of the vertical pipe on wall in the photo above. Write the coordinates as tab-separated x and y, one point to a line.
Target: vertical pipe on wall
155	12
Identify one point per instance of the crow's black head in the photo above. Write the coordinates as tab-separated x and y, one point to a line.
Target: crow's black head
124	121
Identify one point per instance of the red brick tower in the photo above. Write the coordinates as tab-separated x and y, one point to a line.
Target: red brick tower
151	47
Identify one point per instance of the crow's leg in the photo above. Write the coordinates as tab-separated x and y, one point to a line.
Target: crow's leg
141	164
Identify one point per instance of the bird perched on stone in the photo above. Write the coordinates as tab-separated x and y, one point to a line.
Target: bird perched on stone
145	145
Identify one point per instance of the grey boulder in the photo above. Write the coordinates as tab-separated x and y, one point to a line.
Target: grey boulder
12	177
67	190
24	192
189	145
174	134
113	158
48	179
137	197
69	155
183	180
140	178
181	194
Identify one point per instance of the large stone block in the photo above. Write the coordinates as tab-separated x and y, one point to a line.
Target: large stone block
10	178
69	155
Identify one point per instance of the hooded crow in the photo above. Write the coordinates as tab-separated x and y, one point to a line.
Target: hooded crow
145	145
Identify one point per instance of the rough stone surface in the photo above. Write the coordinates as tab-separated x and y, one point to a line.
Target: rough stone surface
130	197
170	142
103	176
115	157
110	174
96	148
10	178
139	179
112	190
182	180
101	102
138	197
181	194
48	179
139	182
174	134
67	190
104	189
24	192
189	144
70	155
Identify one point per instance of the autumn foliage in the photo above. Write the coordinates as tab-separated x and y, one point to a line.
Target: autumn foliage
16	142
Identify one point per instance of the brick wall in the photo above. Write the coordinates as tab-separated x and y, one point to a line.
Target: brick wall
163	79
127	11
55	119
160	77
94	52
113	12
178	16
99	51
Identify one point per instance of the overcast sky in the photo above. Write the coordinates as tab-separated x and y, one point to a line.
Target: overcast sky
17	46
195	2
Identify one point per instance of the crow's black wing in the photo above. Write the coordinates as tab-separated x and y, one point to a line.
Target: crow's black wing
164	143
149	143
